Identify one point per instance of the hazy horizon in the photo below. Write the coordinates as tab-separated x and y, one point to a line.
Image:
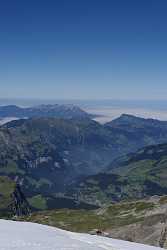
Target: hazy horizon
106	110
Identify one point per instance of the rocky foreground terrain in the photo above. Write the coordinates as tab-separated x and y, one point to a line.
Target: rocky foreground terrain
143	221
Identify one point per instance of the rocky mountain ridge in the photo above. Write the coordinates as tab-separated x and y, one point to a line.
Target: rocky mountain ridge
66	111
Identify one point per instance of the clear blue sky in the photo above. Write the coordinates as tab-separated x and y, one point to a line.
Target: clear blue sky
93	49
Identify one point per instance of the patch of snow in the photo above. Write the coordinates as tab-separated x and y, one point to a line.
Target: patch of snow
30	236
8	119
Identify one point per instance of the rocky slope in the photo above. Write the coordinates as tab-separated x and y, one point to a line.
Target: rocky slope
143	221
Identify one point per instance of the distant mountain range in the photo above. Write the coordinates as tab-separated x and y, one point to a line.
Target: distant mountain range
131	123
59	111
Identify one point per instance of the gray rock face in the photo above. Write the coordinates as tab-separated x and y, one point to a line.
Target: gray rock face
151	230
19	205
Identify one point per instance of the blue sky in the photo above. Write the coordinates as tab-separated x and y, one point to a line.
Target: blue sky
108	49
